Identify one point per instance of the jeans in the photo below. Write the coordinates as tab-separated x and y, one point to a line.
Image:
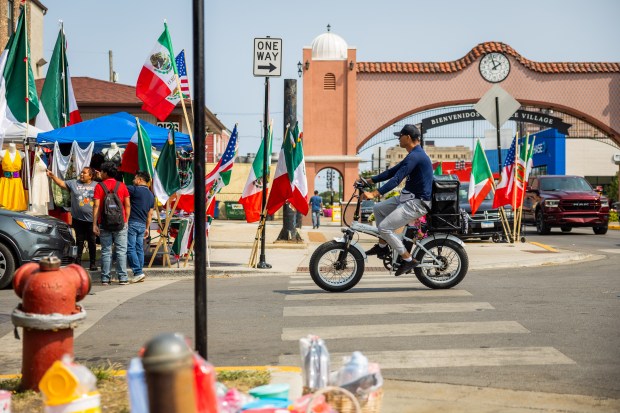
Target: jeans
135	249
119	238
391	214
84	232
316	219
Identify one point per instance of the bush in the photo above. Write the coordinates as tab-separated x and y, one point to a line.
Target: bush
613	216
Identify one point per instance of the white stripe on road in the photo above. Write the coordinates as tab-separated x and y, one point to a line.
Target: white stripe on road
412	284
382	309
354	294
365	280
420	359
406	330
365	277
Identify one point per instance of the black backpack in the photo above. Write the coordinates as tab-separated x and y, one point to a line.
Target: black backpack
111	210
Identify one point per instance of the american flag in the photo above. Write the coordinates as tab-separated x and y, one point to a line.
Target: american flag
219	177
182	68
503	192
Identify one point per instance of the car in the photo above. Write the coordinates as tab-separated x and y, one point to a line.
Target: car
366	210
486	222
25	237
565	202
615	207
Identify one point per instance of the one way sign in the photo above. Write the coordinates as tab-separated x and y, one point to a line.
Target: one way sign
267	57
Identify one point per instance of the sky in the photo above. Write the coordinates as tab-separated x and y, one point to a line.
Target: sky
390	30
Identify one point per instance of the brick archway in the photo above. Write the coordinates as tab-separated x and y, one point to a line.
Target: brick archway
347	102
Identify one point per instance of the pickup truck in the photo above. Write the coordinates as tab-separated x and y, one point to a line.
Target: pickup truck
565	202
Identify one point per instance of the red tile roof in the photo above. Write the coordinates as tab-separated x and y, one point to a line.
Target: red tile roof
482	49
96	92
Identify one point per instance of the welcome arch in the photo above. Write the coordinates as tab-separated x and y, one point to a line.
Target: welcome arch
367	97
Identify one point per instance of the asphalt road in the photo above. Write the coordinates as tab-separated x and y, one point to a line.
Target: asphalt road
551	329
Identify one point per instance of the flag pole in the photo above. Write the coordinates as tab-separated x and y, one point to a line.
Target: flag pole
191	102
514	192
189	129
27	100
64	74
525	178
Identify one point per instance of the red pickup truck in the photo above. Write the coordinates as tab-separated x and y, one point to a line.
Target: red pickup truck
564	201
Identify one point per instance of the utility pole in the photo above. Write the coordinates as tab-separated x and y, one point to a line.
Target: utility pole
111	62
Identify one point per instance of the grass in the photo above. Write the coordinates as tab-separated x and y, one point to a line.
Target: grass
113	388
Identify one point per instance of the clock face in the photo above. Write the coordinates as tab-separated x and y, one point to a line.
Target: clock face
494	67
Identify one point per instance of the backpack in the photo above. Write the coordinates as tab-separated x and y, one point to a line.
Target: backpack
111	210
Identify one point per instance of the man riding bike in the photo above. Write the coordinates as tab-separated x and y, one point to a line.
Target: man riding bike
413	202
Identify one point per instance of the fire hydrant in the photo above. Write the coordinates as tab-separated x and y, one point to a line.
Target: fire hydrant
48	313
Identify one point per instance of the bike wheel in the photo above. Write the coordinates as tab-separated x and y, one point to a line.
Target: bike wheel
328	273
454	264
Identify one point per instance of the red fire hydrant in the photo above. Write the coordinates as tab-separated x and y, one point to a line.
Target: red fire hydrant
48	313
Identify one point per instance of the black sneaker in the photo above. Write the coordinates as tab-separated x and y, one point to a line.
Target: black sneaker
406	266
380	252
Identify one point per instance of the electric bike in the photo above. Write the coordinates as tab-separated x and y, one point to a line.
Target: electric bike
338	265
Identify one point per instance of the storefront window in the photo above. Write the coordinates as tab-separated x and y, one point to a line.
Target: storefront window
9	16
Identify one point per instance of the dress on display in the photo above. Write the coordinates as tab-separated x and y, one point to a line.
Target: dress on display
40	192
12	194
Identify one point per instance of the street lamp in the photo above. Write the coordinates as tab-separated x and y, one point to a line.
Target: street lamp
299	71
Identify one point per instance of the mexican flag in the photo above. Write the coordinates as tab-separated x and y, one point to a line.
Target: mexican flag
481	179
252	196
58	105
290	183
157	79
137	155
439	170
166	175
523	167
17	87
163	108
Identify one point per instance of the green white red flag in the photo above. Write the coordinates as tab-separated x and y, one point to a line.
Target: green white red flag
157	79
523	168
138	154
439	170
18	93
481	179
166	179
58	105
252	196
290	182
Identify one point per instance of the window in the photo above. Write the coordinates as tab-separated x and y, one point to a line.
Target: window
329	82
9	17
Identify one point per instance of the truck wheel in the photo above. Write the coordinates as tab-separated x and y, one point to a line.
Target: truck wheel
7	266
541	227
600	230
566	229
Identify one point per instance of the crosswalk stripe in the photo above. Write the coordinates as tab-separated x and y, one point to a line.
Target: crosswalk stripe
365	280
412	284
479	357
353	295
406	330
365	277
379	309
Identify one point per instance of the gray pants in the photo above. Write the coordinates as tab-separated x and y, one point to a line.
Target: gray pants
391	214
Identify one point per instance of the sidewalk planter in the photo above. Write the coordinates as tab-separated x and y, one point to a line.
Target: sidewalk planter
327	213
234	210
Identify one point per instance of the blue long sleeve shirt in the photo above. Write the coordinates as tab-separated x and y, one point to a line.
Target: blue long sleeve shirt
417	168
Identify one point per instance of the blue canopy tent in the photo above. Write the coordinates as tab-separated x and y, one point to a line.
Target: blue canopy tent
118	127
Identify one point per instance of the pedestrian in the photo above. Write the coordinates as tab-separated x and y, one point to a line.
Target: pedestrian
316	203
82	192
142	204
413	202
110	212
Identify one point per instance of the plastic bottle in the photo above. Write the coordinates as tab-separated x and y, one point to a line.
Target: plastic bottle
136	383
204	380
355	368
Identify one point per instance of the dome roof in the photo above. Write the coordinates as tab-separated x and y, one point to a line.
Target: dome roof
329	46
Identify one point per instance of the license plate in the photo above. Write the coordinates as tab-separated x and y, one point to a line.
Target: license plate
487	224
74	251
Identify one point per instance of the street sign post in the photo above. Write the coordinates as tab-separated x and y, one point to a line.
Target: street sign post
267	57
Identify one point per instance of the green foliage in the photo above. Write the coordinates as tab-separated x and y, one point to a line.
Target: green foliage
613	189
613	216
244	379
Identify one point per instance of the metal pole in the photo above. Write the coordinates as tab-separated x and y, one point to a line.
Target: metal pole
499	142
200	244
262	263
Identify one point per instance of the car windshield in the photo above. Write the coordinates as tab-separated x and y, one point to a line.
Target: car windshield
565	183
464	189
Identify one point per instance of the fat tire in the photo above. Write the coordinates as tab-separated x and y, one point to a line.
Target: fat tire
320	252
455	279
566	229
600	230
541	227
7	266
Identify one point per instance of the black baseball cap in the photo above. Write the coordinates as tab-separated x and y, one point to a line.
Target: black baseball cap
410	130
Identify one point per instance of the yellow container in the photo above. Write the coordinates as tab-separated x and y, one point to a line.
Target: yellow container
65	382
91	403
336	213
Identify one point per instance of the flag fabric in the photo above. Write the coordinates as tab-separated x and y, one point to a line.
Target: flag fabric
219	177
524	166
481	179
157	79
58	105
505	187
182	69
138	154
290	182
252	196
164	108
17	87
166	175
439	169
